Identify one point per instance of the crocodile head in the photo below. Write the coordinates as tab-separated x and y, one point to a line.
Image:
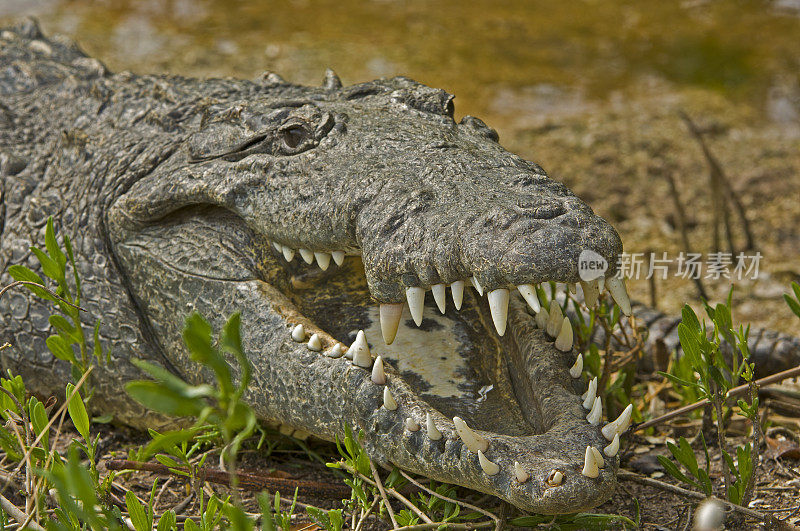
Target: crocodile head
338	208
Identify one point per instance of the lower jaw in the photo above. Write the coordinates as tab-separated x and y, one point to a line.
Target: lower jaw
533	421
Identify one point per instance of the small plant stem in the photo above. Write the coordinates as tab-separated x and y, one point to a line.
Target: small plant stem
405	501
736	391
674	489
26	283
379	484
367	513
447	525
18	515
755	451
718	400
494	517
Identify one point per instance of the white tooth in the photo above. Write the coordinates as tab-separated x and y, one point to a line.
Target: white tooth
378	376
314	343
388	400
411	424
617	288
336	351
338	257
528	293
433	432
308	256
555	479
613	447
596	413
285	429
457	288
299	333
555	320
360	348
564	339
590	394
471	440
520	473
349	352
278	247
577	368
498	305
601	284
624	420
490	468
390	320
590	293
416	302
590	469
598	458
288	253
439	296
477	286
541	319
619	425
323	260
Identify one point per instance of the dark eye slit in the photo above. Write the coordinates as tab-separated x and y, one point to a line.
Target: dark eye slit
237	149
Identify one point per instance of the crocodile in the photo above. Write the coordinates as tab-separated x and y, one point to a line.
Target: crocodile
324	215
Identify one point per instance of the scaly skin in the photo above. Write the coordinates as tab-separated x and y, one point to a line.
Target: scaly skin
177	192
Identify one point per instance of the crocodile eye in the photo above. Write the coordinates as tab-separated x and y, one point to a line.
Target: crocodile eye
294	136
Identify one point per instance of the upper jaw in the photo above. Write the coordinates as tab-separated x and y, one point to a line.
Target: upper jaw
409	243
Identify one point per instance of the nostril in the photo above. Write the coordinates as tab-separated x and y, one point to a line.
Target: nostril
535	208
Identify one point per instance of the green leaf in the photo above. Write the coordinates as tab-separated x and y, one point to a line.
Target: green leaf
154	396
724	323
23	274
793	304
63	326
61	349
231	341
691	348
677	380
687	456
673	470
197	336
189	525
77	412
264	500
68	247
97	349
49	266
39	421
689	319
705	482
167	522
52	245
137	513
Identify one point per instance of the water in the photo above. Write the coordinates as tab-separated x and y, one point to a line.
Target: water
503	60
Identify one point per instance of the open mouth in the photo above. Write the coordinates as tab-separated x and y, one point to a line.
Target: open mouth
465	384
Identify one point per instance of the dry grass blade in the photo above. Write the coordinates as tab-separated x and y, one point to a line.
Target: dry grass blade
393	493
379	484
471	507
736	391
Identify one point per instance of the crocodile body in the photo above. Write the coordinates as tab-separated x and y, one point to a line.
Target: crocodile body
186	195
